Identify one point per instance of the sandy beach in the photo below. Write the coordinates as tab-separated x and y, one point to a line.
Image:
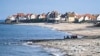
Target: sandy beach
87	46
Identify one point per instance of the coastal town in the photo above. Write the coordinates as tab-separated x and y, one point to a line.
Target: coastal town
84	25
50	28
53	17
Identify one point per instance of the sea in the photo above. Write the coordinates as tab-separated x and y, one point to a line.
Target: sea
11	36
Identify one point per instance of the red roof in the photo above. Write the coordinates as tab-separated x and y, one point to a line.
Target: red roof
21	14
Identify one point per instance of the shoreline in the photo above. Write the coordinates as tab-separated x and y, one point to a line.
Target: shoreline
75	47
87	30
49	49
72	47
87	46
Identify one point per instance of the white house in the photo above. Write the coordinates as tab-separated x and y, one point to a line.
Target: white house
12	18
86	18
28	16
33	16
22	18
53	16
81	19
98	18
71	17
41	16
63	17
57	18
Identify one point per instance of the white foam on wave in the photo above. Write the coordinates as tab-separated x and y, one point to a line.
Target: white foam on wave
55	51
30	44
52	51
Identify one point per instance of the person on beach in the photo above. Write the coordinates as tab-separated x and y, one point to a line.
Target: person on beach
73	36
70	37
66	37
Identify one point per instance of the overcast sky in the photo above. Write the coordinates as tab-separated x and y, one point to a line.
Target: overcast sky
9	7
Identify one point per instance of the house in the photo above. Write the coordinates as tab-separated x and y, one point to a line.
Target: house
98	18
21	16
53	16
8	20
64	17
11	19
57	18
42	16
93	18
87	17
71	17
48	17
28	16
79	18
33	16
38	18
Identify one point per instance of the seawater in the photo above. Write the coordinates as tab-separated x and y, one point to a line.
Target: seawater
10	36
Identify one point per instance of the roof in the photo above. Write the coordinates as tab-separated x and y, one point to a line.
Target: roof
21	14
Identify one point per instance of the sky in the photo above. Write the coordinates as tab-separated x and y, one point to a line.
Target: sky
10	7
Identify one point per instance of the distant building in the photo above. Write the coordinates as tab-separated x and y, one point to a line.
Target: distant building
11	19
21	16
81	19
71	17
63	18
8	20
42	16
53	16
28	16
33	16
98	18
87	17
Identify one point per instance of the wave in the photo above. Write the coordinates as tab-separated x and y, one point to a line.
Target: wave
30	44
52	51
55	51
